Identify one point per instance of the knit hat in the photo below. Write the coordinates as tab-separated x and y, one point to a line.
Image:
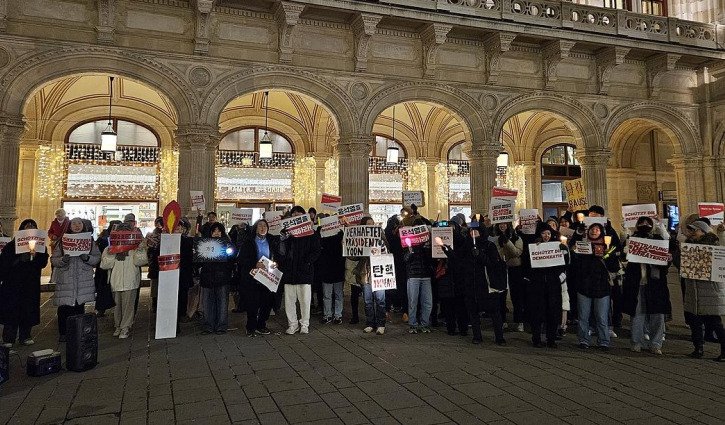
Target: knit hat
596	209
129	217
701	225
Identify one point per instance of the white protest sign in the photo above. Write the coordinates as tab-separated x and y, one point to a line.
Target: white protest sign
77	244
274	219
630	213
588	221
648	251
351	214
441	236
382	272
501	210
330	202
24	239
362	241
270	276
197	200
702	262
330	226
566	231
298	226
240	216
546	254
414	235
714	211
4	240
168	295
583	248
528	220
411	197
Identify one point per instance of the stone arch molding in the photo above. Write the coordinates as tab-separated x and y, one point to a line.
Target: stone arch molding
682	132
580	119
33	72
325	91
475	126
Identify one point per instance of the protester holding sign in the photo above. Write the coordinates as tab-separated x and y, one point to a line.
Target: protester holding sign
331	273
74	285
215	278
645	296
374	300
259	299
104	294
125	270
510	247
419	268
20	290
704	299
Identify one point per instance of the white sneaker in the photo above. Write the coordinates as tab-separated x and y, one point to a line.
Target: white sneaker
304	330
646	337
612	334
117	332
520	327
636	348
124	334
368	329
381	330
29	341
291	330
505	325
656	351
8	344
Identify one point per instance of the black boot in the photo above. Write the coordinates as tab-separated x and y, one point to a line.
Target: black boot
697	353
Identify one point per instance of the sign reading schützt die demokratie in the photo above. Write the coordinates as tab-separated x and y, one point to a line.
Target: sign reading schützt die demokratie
362	241
546	254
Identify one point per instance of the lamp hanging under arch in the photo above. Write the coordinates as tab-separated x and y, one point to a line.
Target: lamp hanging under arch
393	152
265	143
109	138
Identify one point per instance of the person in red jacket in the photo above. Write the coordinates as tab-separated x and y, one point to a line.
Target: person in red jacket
58	227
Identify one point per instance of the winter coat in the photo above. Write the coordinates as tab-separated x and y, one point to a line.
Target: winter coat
418	263
298	259
352	267
74	282
153	252
104	295
704	297
215	274
186	263
591	272
125	275
483	271
512	248
248	256
657	294
331	262
20	289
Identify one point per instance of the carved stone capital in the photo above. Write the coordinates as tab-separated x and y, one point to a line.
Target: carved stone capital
686	163
552	54
363	27
106	28
11	128
287	16
495	46
202	11
355	145
657	66
483	152
608	59
196	136
593	157
433	36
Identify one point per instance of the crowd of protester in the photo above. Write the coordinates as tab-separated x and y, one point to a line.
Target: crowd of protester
486	269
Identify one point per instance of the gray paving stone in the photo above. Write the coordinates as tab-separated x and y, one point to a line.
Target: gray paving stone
307	412
263	405
421	415
292	397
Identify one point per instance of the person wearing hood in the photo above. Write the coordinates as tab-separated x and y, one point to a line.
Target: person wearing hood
74	284
259	299
20	290
238	234
704	299
397	298
186	268
451	289
510	247
544	292
614	268
593	292
645	296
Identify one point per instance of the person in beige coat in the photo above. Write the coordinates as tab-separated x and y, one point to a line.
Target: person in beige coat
125	278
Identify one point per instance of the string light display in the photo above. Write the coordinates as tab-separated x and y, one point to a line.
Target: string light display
332	176
418	176
169	175
304	181
515	177
51	172
441	176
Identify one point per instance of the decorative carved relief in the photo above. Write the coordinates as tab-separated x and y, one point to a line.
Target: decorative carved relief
433	36
3	15
646	192
287	16
489	102
495	46
106	21
203	12
657	67
608	59
359	91
552	54
600	110
363	27
200	76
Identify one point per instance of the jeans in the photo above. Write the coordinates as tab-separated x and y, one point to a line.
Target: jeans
419	289
374	307
642	323
600	307
66	311
329	289
303	294
216	308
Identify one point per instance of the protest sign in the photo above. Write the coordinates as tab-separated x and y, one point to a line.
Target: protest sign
77	244
702	262
330	226
546	254
566	231
298	226
583	248
504	193
413	197
270	276
212	250
351	214
169	251
240	216
362	241
576	195
501	210
124	240
631	213
588	221
713	211
4	241
197	200
414	235
382	272
528	220
330	202
168	292
648	251
274	219
446	238
25	239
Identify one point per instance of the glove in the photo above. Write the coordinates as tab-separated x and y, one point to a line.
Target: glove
502	240
85	257
66	258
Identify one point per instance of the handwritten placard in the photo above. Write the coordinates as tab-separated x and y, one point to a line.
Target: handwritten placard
25	238
414	235
298	226
274	219
528	219
351	214
240	216
330	202
501	210
546	254
77	244
648	251
413	197
382	272
444	235
362	241
330	226
632	213
197	200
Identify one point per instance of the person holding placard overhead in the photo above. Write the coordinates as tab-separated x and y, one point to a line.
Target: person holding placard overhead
20	290
74	284
614	267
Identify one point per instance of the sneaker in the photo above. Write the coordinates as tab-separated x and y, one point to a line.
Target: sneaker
337	321
292	330
263	331
425	329
117	332
604	348
405	317
326	320
251	334
368	329
656	351
29	341
613	334
583	346
646	337
381	330
413	330
505	325
636	348
272	313
8	344
697	354
477	340
520	327
304	330
124	334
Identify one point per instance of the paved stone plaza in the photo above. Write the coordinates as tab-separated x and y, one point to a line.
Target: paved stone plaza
337	374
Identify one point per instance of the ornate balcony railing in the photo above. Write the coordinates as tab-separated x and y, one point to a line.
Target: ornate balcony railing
81	152
248	159
564	14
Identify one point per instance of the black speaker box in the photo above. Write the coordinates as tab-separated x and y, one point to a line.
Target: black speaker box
81	342
44	365
4	364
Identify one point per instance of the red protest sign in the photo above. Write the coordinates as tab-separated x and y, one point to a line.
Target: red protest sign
124	240
414	235
169	262
77	244
298	226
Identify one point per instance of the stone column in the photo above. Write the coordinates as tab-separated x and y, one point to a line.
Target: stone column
11	128
622	188
533	186
594	175
709	167
482	162
688	175
354	157
432	201
197	145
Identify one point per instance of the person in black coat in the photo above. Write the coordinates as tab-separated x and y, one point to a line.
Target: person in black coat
258	298
451	289
186	268
331	272
239	234
645	296
20	290
484	277
104	295
215	277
